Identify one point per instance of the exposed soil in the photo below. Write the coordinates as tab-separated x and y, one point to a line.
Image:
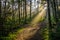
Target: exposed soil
32	32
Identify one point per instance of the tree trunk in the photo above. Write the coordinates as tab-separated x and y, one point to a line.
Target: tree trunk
25	13
55	11
49	18
1	22
19	10
13	13
30	8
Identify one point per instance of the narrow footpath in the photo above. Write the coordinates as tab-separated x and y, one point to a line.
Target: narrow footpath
33	29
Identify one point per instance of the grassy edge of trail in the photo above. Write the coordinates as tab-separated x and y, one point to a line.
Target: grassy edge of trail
12	35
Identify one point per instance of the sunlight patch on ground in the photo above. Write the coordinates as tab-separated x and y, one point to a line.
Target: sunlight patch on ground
27	33
31	29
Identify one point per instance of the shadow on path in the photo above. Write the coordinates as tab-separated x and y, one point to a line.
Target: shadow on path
37	35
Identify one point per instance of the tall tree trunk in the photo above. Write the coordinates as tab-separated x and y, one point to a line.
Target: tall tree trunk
5	11
1	21
13	15
23	10
55	10
25	13
19	10
30	8
49	18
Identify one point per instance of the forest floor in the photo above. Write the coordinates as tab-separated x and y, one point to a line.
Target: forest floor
32	32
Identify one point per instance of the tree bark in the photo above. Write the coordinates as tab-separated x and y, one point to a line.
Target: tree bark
30	8
19	10
25	13
49	19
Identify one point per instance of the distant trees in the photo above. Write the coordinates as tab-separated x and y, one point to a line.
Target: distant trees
25	12
10	18
54	19
13	12
2	19
49	16
19	9
30	7
55	10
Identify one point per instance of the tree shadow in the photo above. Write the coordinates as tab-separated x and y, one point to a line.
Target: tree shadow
56	36
38	34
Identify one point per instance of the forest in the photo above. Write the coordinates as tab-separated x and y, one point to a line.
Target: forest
29	19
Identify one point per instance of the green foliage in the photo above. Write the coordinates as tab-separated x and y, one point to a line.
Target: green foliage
45	33
12	1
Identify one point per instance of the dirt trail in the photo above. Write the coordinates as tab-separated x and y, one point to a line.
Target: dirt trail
31	30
